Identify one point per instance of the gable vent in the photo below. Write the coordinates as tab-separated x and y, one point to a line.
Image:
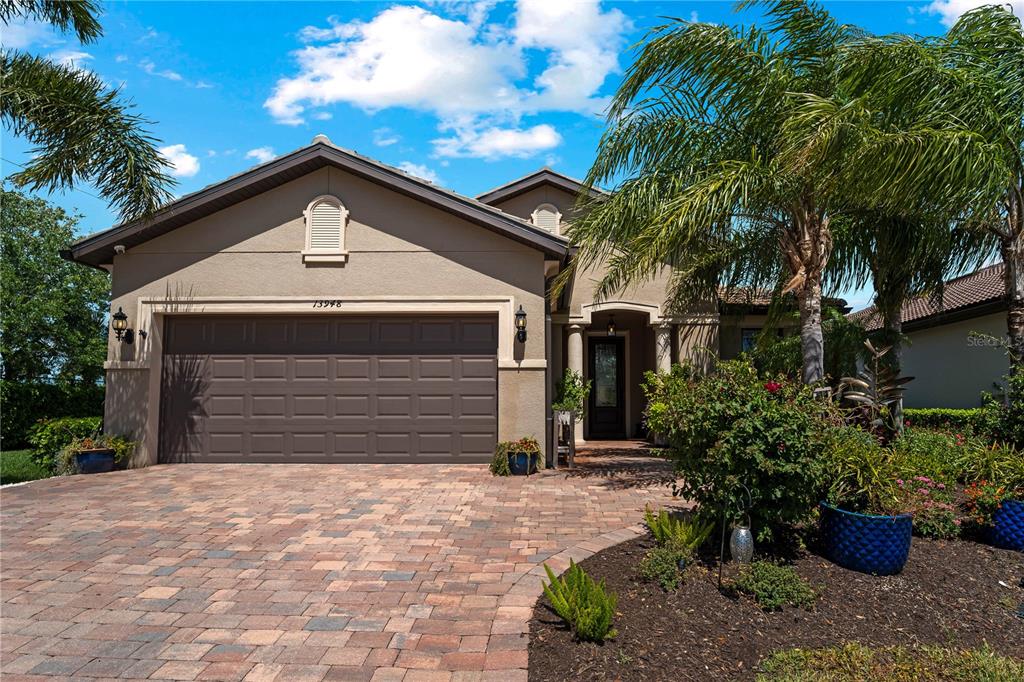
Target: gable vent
325	227
546	217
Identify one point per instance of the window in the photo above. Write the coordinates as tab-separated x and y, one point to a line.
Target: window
326	218
748	339
547	217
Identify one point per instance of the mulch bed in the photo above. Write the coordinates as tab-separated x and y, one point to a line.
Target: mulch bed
949	594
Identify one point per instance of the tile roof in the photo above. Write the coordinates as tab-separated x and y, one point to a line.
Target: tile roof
979	287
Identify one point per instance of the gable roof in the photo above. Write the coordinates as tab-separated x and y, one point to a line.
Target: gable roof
544	176
98	249
972	294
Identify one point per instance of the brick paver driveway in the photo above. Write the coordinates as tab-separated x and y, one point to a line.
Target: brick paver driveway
293	572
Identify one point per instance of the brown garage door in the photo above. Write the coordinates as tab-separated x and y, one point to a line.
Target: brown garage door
329	389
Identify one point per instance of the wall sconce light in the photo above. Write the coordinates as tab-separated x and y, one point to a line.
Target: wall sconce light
119	323
521	325
611	326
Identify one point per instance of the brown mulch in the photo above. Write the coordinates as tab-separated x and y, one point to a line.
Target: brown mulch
949	594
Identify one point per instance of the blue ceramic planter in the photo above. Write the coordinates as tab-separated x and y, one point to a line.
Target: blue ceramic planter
522	463
878	545
1008	525
94	461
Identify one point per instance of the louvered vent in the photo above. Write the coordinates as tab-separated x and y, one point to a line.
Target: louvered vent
547	218
325	227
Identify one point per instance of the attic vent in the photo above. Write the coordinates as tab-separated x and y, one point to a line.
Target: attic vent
547	217
325	230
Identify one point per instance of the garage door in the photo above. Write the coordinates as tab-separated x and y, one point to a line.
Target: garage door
329	389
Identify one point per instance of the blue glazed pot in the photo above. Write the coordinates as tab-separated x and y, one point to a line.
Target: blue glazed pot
522	463
1008	525
868	543
94	461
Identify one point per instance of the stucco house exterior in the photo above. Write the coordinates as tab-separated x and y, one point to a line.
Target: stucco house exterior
951	346
324	307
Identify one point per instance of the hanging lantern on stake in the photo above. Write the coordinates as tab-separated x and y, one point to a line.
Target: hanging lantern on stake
741	541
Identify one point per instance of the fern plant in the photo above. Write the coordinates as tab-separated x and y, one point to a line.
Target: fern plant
678	533
583	603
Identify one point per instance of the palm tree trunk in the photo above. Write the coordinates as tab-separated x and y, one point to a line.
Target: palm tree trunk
812	343
1013	260
893	333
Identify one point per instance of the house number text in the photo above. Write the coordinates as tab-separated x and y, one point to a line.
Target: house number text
327	303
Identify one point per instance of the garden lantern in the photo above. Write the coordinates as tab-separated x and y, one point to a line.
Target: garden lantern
611	326
741	543
521	325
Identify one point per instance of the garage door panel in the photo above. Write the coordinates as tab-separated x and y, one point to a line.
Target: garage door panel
304	389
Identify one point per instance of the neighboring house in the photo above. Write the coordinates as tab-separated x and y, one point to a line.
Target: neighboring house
323	307
952	366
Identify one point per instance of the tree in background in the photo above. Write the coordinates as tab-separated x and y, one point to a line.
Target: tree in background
52	311
696	134
81	130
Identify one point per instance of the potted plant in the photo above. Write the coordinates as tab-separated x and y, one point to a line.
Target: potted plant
571	393
863	527
95	454
516	457
999	511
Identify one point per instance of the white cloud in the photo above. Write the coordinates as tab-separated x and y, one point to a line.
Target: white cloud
950	10
261	154
323	116
494	142
183	164
385	137
420	171
149	67
202	85
473	75
121	58
67	57
21	34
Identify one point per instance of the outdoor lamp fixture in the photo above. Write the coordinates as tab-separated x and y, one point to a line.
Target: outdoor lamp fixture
119	323
611	326
521	325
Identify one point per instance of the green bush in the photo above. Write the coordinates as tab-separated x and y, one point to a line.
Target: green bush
23	404
998	463
1002	417
582	603
774	585
49	436
932	504
732	432
946	419
661	565
863	475
122	447
939	455
671	531
571	393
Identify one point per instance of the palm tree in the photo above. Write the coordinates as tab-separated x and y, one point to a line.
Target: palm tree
937	123
82	131
696	134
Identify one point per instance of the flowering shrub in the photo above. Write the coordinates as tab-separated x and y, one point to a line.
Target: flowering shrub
983	499
732	432
931	503
936	454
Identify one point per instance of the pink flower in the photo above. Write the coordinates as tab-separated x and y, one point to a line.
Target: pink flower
772	386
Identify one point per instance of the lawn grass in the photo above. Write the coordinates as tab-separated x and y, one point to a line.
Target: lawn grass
16	467
858	663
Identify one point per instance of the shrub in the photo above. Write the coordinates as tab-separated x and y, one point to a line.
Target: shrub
732	432
122	447
49	436
931	503
584	604
499	463
983	499
863	475
774	585
946	419
1001	464
26	403
661	565
682	534
571	393
936	454
1002	417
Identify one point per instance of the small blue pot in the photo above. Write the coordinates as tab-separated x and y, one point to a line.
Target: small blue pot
522	463
868	543
1008	525
94	461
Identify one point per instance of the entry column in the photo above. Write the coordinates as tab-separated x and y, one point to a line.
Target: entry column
576	365
663	347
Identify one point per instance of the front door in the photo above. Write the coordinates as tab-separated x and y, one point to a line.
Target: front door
607	409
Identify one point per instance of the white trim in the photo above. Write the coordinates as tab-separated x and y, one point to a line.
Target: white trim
626	385
552	209
652	311
339	255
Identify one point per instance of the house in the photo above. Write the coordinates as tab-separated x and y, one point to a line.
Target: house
323	307
951	364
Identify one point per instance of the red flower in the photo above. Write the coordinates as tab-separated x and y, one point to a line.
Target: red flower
772	386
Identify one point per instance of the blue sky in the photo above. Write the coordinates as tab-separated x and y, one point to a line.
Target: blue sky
466	94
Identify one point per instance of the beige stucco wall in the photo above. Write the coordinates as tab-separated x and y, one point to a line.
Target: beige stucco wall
949	368
249	255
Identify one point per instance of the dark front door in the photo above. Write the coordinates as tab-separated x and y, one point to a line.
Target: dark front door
607	409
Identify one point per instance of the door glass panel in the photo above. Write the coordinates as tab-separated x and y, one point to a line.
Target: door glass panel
606	375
